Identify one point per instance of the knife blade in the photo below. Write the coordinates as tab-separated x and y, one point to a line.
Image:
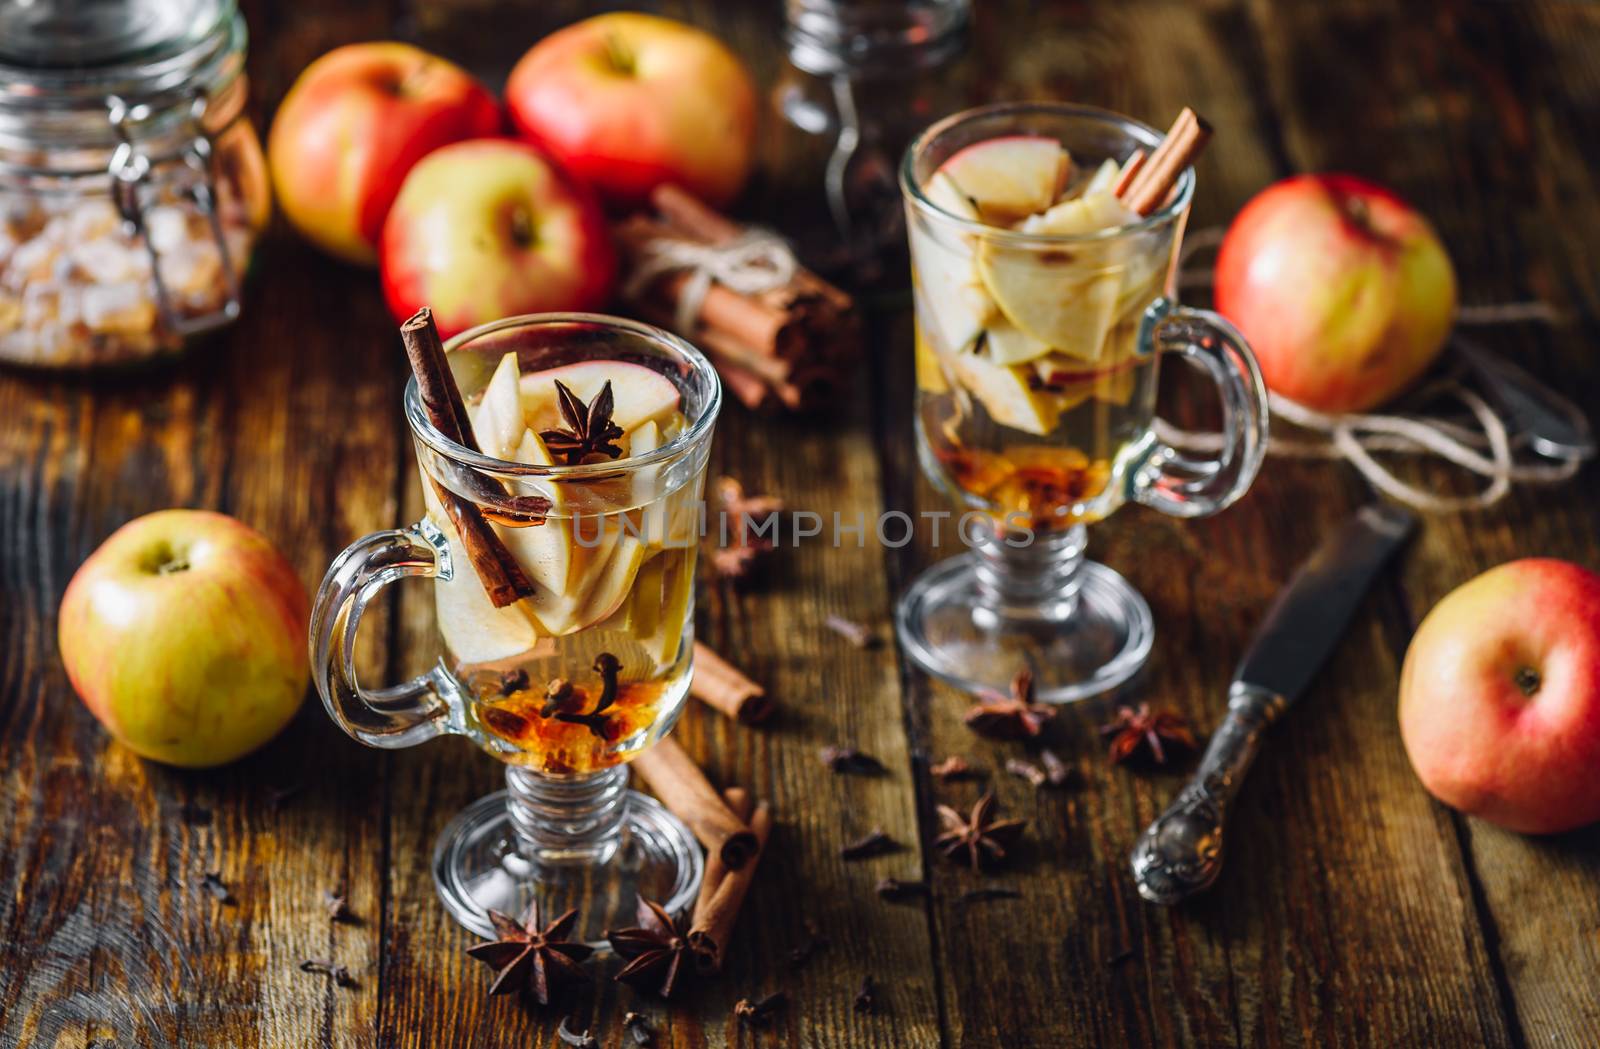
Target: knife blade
1181	852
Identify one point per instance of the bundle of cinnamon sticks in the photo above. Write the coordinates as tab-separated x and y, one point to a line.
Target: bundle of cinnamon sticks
790	345
731	825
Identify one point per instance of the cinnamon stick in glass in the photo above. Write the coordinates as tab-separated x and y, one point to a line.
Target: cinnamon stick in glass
1186	138
684	790
711	927
723	687
502	577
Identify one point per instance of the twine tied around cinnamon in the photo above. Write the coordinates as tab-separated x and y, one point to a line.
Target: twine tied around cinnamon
1487	449
755	261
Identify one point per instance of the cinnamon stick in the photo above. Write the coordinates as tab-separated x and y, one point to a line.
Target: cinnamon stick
1187	137
711	927
502	577
723	687
1130	170
746	386
742	805
683	789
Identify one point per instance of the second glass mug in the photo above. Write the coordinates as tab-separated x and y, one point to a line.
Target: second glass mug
1036	361
567	685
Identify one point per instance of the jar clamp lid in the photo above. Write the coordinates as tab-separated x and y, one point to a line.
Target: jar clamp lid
109	92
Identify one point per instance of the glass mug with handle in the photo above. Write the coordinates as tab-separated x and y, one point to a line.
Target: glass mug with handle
1043	309
568	683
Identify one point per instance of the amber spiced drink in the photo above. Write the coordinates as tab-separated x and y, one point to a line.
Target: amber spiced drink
562	460
594	662
1043	243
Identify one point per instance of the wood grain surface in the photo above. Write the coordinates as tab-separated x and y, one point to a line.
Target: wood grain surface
1354	910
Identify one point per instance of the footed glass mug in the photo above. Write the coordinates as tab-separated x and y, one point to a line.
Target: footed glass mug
566	685
1040	325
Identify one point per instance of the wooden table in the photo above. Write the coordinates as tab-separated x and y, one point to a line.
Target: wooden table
1353	911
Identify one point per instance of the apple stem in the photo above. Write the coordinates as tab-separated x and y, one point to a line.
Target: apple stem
619	56
1527	680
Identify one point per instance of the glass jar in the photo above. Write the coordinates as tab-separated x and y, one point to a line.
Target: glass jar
863	77
132	184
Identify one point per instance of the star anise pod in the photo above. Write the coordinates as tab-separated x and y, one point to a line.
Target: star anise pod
529	954
1014	717
657	951
979	838
1132	729
589	431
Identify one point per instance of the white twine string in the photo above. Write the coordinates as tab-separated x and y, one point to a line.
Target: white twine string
754	262
1488	450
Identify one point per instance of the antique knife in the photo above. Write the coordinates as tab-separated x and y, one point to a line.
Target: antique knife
1181	852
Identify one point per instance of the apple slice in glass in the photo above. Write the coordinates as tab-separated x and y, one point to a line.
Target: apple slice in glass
638	392
1067	300
1007	393
474	630
1010	177
1007	344
953	298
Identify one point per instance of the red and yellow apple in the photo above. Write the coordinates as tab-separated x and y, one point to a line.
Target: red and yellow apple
629	101
491	228
354	123
1343	290
185	635
1500	697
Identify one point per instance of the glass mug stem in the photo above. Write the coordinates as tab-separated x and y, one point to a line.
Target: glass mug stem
1037	580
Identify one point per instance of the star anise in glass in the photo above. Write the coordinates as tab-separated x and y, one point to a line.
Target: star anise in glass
1013	717
529	954
589	430
657	951
1132	729
978	838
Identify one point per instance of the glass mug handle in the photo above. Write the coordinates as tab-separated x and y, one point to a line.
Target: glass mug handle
1173	483
401	715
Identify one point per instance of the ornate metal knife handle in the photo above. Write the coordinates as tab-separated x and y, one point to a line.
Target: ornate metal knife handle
1181	852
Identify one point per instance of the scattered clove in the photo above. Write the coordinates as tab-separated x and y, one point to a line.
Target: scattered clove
865	1001
218	888
638	1025
895	889
875	843
852	761
338	973
1027	770
759	1013
956	767
814	942
513	681
338	906
282	793
576	1039
1124	955
984	895
1057	771
858	634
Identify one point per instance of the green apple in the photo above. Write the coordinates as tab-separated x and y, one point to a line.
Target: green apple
185	635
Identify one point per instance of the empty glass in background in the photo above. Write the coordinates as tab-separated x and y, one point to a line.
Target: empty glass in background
1042	443
567	685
